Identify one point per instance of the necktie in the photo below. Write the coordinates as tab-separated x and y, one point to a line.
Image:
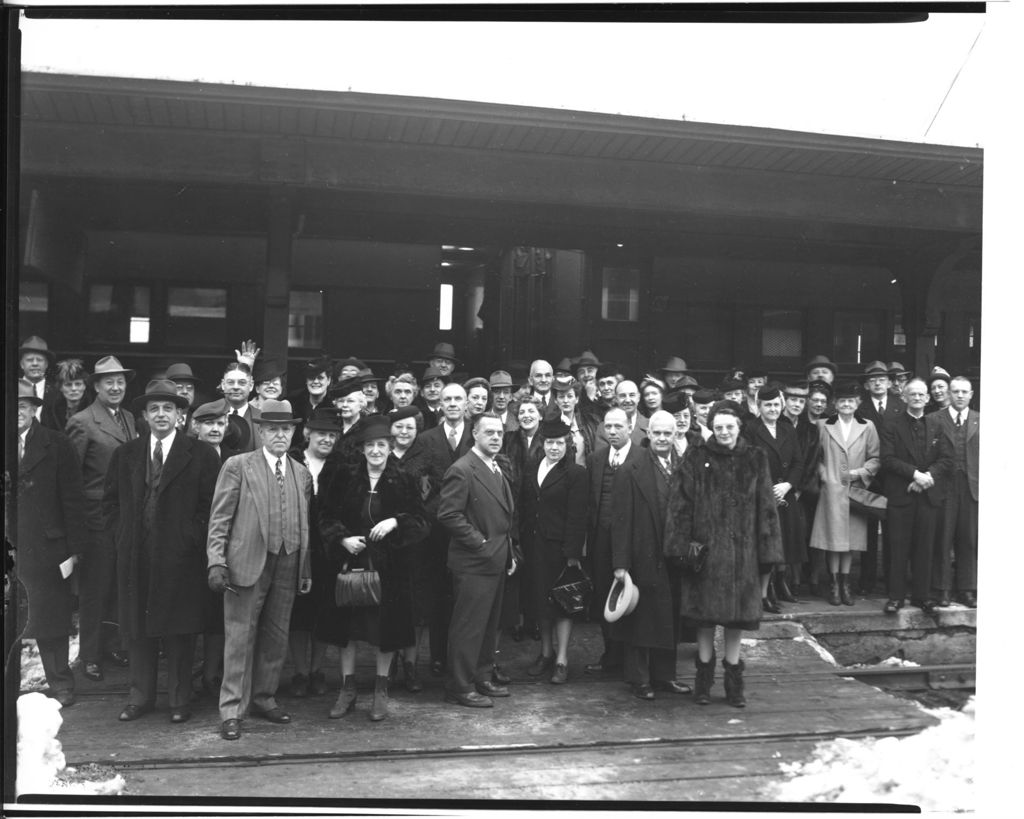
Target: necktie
881	406
666	466
615	457
158	463
21	448
959	420
121	423
453	439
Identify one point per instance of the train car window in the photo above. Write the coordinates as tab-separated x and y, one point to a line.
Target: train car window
620	294
118	313
33	309
196	316
858	336
782	334
306	319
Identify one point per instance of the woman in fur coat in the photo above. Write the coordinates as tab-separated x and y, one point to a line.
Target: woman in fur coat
721	496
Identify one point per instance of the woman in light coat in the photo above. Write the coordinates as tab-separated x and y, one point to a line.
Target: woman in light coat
849	455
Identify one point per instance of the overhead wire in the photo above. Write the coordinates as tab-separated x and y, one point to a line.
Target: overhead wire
955	78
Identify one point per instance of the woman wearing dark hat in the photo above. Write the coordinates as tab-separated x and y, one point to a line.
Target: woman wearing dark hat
740	541
780	444
320	433
376	404
349	401
553	525
75	392
370	515
582	431
317	373
681	407
850	456
412	459
938	389
269	377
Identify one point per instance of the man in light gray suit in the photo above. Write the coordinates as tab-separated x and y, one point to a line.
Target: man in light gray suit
258	553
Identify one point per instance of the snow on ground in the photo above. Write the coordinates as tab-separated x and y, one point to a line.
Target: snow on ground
32	676
933	769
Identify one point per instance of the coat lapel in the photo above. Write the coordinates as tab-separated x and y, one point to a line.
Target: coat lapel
256	480
764	436
554	476
483	475
35	449
645	471
177	459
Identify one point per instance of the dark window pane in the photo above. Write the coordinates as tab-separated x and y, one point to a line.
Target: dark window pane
306	319
620	294
196	316
33	309
782	334
858	336
118	313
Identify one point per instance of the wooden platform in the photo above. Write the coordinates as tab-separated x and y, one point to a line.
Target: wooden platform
589	739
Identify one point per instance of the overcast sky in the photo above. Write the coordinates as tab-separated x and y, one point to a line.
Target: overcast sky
864	80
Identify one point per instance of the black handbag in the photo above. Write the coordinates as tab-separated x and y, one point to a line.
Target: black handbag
356	587
571	590
867	503
693	560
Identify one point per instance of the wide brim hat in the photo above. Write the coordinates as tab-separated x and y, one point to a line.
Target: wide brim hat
821	361
372	427
35	344
351	361
876	368
345	387
622	599
898	369
674	365
687	381
268	369
275	412
180	372
586	359
366	376
500	379
433	374
323	420
109	365
212	409
444	350
564	366
160	389
553	428
27	392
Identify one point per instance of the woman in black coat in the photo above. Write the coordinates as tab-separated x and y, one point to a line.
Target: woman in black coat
553	528
786	464
370	514
721	496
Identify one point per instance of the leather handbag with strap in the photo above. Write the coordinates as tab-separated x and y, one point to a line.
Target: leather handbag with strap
571	590
357	586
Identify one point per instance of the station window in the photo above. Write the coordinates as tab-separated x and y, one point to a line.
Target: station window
33	309
782	333
858	336
306	319
899	336
196	316
118	313
620	294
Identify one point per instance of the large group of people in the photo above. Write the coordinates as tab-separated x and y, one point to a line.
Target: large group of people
442	507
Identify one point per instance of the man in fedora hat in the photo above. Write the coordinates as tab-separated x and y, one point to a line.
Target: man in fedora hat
820	368
51	532
898	376
156	504
501	387
429	399
258	556
673	371
443	359
36	360
185	383
95	433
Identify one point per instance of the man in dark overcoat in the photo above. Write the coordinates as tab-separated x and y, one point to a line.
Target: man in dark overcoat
95	433
36	360
156	503
915	474
640	498
51	533
602	465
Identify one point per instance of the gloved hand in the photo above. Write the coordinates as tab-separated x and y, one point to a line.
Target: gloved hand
217	579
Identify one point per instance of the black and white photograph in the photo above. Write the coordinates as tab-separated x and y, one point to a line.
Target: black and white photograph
455	408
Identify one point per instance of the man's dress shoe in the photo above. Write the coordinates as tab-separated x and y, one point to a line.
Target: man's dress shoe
672	686
133	712
489	689
470	699
65	697
93	671
180	715
643	691
274	715
500	677
231	729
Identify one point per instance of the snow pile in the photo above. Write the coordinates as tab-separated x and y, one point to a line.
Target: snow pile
39	753
933	770
40	757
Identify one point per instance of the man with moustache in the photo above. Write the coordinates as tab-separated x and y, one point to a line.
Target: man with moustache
156	505
95	433
602	465
640	498
51	533
478	512
258	556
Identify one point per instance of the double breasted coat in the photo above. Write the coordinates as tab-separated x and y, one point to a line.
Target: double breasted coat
553	530
786	464
51	528
640	495
342	507
166	593
723	498
835	529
